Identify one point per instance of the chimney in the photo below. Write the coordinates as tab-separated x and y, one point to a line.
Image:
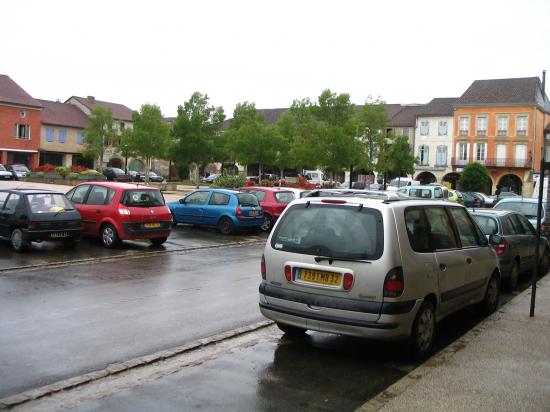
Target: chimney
543	83
91	99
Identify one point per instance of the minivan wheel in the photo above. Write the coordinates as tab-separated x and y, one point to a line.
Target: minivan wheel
291	330
511	281
492	295
423	332
17	242
226	226
267	224
109	236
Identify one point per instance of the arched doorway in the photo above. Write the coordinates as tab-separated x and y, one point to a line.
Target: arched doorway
510	183
426	178
115	162
451	179
136	165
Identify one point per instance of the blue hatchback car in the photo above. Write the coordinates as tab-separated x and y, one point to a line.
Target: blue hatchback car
228	210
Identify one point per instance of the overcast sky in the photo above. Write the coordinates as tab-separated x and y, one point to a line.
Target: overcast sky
268	52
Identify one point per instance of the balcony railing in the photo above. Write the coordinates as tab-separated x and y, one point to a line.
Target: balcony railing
495	162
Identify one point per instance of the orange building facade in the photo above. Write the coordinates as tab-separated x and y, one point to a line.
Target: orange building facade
500	124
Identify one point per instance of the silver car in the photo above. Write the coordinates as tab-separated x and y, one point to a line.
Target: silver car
376	268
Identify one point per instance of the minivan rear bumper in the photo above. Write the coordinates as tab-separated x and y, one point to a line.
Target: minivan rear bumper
394	320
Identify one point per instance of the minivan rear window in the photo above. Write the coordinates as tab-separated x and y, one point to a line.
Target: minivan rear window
329	230
142	198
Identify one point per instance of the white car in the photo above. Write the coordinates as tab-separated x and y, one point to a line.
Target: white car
4	174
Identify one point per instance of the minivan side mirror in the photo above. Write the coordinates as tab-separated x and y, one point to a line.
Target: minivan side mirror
182	201
495	240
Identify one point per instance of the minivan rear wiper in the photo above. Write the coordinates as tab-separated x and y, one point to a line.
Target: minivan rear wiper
331	258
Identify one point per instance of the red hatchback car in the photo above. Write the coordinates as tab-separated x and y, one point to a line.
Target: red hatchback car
116	211
272	200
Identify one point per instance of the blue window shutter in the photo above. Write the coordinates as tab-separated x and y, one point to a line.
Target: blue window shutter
49	135
62	136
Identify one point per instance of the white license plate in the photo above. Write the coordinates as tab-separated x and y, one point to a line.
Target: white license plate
58	235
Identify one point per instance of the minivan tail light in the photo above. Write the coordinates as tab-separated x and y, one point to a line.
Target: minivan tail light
238	211
500	249
393	283
334	201
348	281
288	272
263	269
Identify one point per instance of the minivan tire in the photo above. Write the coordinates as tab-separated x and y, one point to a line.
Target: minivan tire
291	330
492	295
423	331
109	236
18	243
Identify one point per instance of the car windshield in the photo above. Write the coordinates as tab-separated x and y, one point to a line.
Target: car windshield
2	168
48	203
247	199
21	168
284	197
331	231
527	209
487	224
142	198
117	171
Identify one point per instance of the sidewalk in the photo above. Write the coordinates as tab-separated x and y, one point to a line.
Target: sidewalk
503	364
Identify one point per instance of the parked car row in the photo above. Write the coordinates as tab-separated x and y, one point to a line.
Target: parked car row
117	211
13	171
115	174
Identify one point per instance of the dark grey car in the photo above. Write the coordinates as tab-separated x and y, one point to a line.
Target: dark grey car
516	252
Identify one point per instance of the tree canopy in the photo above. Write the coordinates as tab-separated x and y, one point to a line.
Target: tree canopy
99	134
474	178
195	130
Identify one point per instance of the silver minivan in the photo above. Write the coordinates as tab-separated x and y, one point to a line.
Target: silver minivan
375	268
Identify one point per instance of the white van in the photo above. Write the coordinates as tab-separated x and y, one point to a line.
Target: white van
397	183
315	177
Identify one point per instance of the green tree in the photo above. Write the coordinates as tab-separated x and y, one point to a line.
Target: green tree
474	178
99	134
252	140
372	120
195	130
124	147
400	157
149	136
301	131
336	130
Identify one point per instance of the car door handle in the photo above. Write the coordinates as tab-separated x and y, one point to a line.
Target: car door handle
468	260
442	267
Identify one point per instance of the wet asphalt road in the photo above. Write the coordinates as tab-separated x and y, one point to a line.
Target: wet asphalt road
61	322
